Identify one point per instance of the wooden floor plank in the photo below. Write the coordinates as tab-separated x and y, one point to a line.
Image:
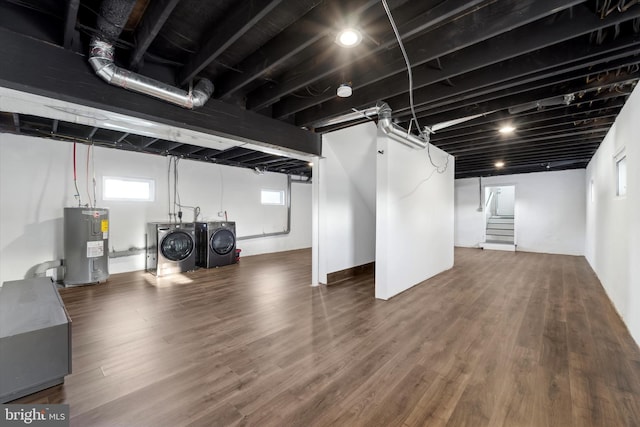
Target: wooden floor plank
501	339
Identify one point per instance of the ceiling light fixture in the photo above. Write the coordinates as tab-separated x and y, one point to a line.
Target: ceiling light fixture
344	90
499	164
507	129
349	37
310	164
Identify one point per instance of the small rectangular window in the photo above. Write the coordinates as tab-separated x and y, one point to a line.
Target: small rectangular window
272	197
128	189
621	174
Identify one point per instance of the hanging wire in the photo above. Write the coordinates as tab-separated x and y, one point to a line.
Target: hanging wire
87	177
175	181
176	196
221	188
93	169
177	200
169	187
441	169
75	176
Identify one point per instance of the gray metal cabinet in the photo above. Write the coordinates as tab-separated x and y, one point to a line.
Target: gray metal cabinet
35	338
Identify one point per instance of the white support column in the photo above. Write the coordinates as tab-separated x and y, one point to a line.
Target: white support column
315	225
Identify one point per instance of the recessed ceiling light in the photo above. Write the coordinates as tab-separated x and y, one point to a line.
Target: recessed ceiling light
349	37
344	90
507	129
499	164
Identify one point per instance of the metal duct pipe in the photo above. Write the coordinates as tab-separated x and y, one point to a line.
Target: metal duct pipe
113	17
397	133
368	113
392	130
101	59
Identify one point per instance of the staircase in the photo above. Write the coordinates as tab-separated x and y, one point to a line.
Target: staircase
500	233
500	229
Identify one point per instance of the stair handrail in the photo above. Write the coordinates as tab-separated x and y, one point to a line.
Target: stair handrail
487	211
489	199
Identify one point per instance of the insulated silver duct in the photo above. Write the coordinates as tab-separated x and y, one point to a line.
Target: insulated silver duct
101	59
112	18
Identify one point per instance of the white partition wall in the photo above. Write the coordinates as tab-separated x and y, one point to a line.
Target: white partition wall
347	216
613	221
414	224
382	201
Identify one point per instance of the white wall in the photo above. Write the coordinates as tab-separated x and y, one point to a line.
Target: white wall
505	200
36	183
613	223
469	222
414	224
549	211
347	192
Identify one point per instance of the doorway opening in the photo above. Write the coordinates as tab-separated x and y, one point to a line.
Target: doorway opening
499	215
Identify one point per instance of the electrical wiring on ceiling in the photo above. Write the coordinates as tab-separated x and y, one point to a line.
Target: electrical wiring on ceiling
414	118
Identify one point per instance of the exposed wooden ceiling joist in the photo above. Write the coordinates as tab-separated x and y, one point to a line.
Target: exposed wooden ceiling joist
276	67
509	46
241	19
155	16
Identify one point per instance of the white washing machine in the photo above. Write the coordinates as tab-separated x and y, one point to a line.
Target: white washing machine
216	242
171	248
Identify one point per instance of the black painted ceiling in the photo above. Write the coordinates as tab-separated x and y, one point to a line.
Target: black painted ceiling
559	71
42	127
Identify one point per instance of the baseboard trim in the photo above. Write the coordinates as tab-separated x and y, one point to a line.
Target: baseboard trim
348	273
510	247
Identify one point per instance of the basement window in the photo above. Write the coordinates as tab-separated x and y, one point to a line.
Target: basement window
272	197
128	189
621	176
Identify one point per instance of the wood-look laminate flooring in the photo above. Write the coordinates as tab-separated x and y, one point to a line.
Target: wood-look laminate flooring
502	339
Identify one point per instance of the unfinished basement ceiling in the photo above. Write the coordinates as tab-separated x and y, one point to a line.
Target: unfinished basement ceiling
557	71
42	127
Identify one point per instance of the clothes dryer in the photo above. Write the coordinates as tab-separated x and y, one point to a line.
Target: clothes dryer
216	242
171	248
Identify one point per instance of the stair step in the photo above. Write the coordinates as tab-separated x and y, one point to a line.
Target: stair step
494	220
498	246
503	216
499	232
503	226
492	238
